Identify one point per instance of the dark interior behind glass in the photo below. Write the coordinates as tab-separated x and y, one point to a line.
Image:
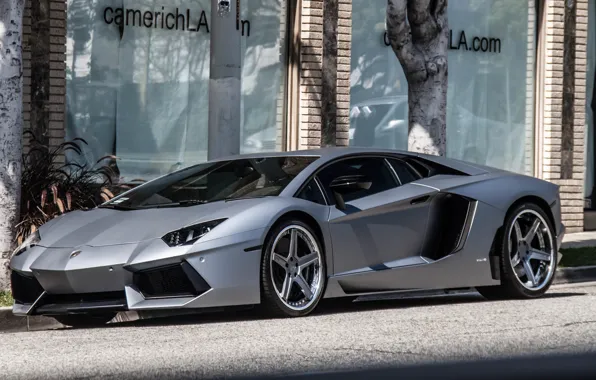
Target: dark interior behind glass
211	182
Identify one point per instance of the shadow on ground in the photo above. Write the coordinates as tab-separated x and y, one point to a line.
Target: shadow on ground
326	307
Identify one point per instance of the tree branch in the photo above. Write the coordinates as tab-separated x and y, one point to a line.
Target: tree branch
425	17
400	37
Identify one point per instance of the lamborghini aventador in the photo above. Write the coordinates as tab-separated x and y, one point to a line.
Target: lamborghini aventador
285	230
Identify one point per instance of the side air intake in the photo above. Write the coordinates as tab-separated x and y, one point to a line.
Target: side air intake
450	221
25	289
177	280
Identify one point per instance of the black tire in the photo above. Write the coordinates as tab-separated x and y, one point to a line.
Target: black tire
85	320
510	287
271	304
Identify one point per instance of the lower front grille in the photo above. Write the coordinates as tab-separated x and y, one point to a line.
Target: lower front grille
79	303
178	280
25	289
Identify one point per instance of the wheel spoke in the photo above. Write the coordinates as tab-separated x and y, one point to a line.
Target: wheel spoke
297	252
539	255
301	282
529	272
287	286
305	261
293	243
518	233
515	259
280	260
532	231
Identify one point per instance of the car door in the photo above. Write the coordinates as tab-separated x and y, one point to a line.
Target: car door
382	226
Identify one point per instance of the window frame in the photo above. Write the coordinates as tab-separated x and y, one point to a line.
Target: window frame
317	181
407	164
315	174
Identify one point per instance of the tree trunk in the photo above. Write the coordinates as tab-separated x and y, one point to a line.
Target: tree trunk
11	127
419	35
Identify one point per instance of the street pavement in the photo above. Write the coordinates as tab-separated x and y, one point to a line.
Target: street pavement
338	337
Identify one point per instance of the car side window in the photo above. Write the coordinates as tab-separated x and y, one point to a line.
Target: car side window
374	169
311	192
405	172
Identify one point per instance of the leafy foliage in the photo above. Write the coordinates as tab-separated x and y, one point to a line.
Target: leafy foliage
5	299
51	188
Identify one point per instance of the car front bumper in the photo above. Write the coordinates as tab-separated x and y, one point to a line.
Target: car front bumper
143	276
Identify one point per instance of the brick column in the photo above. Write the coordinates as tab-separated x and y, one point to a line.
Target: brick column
564	105
311	58
530	87
49	117
57	102
344	49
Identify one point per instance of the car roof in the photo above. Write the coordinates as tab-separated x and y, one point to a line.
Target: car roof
330	153
327	153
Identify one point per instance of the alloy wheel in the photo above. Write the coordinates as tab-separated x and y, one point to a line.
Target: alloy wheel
296	267
531	250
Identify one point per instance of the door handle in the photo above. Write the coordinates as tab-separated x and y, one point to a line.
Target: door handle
419	200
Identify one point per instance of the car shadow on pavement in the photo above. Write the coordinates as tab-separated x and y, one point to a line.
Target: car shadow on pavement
326	307
337	306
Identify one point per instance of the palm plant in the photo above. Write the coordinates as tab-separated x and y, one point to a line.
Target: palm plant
51	188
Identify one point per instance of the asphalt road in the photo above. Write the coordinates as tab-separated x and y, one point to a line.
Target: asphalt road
362	335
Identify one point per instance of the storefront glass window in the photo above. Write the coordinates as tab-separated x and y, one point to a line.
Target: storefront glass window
491	82
138	80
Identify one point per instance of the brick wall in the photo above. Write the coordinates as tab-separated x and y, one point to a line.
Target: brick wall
57	103
344	49
530	88
55	24
571	188
311	60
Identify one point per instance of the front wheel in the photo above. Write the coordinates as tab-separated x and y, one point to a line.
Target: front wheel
528	255
293	274
85	320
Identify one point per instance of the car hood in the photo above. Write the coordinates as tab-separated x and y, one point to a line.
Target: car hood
104	226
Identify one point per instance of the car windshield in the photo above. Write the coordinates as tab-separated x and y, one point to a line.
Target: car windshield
215	181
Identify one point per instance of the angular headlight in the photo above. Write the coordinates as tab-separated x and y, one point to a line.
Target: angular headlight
31	241
189	235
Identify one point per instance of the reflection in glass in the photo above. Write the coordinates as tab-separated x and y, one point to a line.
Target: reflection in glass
490	95
142	93
264	63
216	181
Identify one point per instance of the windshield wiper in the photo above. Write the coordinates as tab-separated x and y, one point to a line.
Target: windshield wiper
241	198
117	207
192	202
185	203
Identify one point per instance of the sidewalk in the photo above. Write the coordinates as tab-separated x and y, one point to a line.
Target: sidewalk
579	240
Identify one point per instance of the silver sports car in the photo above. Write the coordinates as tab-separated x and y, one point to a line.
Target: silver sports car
285	230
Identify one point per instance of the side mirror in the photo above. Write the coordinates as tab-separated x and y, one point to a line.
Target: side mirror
346	185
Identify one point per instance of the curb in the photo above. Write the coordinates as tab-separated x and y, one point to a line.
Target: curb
12	323
574	275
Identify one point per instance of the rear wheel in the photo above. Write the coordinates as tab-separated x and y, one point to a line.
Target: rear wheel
527	253
293	272
85	320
